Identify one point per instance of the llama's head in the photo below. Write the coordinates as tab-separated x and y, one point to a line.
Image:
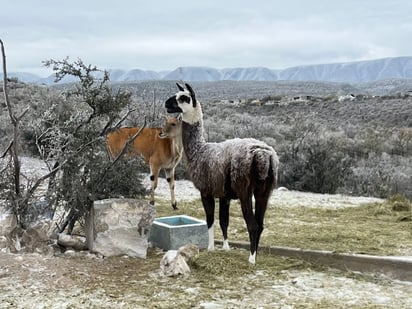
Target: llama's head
185	102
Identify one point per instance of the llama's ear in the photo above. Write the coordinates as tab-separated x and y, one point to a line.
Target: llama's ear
192	94
179	117
180	87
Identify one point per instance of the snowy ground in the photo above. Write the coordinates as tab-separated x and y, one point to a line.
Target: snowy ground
34	281
185	190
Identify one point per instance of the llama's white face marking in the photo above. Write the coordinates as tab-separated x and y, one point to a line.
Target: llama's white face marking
190	113
185	102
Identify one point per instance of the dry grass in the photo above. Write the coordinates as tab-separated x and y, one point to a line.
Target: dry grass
234	263
377	228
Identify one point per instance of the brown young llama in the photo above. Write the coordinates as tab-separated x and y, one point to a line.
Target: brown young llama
161	148
233	169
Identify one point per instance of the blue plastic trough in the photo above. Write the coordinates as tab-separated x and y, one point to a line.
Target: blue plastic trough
170	233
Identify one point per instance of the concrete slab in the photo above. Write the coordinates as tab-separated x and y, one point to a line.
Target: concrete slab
395	267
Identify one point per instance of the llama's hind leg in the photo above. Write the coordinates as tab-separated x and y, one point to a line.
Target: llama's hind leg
261	202
252	226
262	193
224	220
209	206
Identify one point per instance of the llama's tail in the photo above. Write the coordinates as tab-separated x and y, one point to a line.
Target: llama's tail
266	163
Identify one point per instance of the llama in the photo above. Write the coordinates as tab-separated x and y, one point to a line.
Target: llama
161	148
233	169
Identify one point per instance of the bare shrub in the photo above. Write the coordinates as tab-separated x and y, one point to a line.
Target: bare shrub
66	129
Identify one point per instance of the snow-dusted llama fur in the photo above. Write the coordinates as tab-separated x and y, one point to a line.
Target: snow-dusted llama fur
233	169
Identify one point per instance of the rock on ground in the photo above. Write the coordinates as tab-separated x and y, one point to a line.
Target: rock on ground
119	227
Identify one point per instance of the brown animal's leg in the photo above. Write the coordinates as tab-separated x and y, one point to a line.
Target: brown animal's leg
154	176
209	206
170	176
224	220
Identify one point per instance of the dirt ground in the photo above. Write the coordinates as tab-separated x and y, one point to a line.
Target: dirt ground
86	281
83	280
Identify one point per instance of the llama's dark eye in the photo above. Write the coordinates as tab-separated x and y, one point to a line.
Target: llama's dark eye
184	98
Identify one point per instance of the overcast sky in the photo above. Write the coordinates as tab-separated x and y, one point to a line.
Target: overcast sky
163	35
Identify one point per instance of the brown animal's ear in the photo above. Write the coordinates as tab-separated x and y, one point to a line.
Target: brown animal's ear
179	117
192	94
180	87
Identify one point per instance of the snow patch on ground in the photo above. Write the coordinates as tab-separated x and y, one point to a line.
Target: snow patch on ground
184	189
307	199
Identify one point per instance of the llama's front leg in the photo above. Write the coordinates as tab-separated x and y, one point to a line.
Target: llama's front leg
224	220
209	206
170	177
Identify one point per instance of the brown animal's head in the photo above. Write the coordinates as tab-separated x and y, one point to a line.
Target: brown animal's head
172	127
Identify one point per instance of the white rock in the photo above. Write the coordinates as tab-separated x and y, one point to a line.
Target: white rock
117	227
8	222
72	241
174	262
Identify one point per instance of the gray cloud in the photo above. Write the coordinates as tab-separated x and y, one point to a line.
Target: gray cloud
162	35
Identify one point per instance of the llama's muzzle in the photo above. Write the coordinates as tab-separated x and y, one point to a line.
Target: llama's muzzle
172	106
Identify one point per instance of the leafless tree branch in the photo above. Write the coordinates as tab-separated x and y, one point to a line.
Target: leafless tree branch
107	128
129	111
7	149
127	144
14	148
6	95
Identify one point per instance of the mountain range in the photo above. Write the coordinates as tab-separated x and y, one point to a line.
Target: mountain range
349	72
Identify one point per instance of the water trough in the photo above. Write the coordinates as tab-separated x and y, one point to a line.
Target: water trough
170	233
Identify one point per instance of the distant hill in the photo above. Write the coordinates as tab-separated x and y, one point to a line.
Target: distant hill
23	76
350	72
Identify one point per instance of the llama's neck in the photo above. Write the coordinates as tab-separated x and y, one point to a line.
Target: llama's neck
192	139
194	115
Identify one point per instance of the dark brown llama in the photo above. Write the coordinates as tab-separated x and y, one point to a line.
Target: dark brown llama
233	169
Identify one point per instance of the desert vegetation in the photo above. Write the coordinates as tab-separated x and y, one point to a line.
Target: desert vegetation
361	146
66	130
